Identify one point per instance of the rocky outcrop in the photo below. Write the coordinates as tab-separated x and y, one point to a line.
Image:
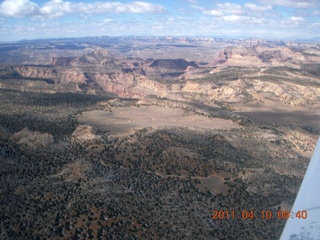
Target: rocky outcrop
196	87
259	56
84	132
98	57
156	86
36	72
229	94
32	139
174	64
168	67
70	75
56	74
291	94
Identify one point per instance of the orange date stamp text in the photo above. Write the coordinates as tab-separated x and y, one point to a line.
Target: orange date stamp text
263	214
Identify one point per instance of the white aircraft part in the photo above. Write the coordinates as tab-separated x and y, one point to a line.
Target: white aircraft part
308	199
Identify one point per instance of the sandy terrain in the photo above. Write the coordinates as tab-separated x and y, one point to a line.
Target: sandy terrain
122	121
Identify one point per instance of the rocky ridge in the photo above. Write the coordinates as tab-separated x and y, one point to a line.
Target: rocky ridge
278	72
258	55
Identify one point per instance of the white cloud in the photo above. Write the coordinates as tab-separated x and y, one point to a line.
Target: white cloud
108	20
233	26
293	3
197	7
134	7
222	8
57	8
244	19
230	8
232	18
255	7
297	19
18	8
216	13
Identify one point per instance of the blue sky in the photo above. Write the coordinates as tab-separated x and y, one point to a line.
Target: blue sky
267	19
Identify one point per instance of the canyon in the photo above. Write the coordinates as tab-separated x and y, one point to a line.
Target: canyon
144	137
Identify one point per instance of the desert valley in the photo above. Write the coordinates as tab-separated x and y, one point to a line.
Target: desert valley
144	137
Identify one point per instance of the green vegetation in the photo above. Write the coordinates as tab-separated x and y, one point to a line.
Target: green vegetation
43	112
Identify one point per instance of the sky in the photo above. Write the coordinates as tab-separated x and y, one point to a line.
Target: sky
265	19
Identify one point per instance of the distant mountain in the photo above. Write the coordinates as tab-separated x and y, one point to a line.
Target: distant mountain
98	57
259	55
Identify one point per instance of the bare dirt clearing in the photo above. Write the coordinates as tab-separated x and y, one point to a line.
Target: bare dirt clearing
281	113
213	183
122	121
